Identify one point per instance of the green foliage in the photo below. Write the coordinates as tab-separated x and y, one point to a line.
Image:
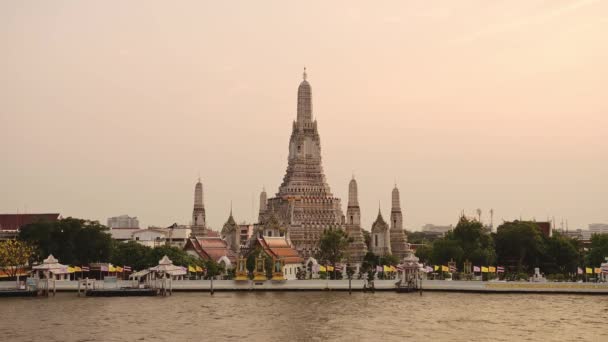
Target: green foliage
389	260
421	237
561	255
519	243
332	246
476	243
132	254
72	241
367	237
212	268
141	257
424	253
598	250
445	250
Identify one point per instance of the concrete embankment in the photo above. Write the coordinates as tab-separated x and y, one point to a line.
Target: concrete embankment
358	285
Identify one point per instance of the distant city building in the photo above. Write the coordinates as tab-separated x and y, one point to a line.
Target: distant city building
123	221
10	224
598	228
432	229
174	235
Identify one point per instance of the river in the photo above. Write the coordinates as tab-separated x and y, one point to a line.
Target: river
307	316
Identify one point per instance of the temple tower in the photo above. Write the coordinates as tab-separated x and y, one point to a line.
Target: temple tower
231	233
357	248
380	244
199	227
304	201
263	204
399	245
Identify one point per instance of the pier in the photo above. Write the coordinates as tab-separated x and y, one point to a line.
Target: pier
483	287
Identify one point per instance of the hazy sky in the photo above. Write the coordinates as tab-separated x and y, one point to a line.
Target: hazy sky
114	107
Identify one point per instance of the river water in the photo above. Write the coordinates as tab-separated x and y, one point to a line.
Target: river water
307	316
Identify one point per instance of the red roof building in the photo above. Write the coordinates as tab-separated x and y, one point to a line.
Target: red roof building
206	248
16	221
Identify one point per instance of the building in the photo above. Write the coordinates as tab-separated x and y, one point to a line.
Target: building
598	228
211	248
357	248
174	235
381	238
304	201
123	221
398	238
435	230
199	226
10	224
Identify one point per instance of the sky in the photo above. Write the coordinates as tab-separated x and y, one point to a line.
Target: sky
114	107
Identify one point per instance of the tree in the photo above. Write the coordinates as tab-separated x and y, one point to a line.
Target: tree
13	255
519	243
177	255
389	260
72	241
598	250
561	255
132	254
446	249
332	245
212	267
424	253
476	243
367	237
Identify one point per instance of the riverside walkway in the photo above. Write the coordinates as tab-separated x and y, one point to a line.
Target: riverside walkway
358	285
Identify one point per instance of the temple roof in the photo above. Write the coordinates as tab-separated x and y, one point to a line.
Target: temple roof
379	224
279	247
210	248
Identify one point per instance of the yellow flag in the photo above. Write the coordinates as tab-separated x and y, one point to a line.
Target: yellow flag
597	270
77	269
492	269
71	269
386	268
111	269
588	270
191	269
445	268
330	268
484	269
322	268
119	269
199	269
393	269
436	268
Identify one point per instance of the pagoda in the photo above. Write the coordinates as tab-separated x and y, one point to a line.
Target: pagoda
304	201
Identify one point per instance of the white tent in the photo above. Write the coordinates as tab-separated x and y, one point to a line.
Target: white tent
51	265
165	265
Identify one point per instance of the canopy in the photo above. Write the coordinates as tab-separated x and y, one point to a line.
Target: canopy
52	265
165	265
139	274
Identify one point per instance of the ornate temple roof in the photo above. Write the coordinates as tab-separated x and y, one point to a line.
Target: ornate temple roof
279	247
379	224
210	248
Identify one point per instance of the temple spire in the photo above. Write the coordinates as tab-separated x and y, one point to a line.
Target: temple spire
304	101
